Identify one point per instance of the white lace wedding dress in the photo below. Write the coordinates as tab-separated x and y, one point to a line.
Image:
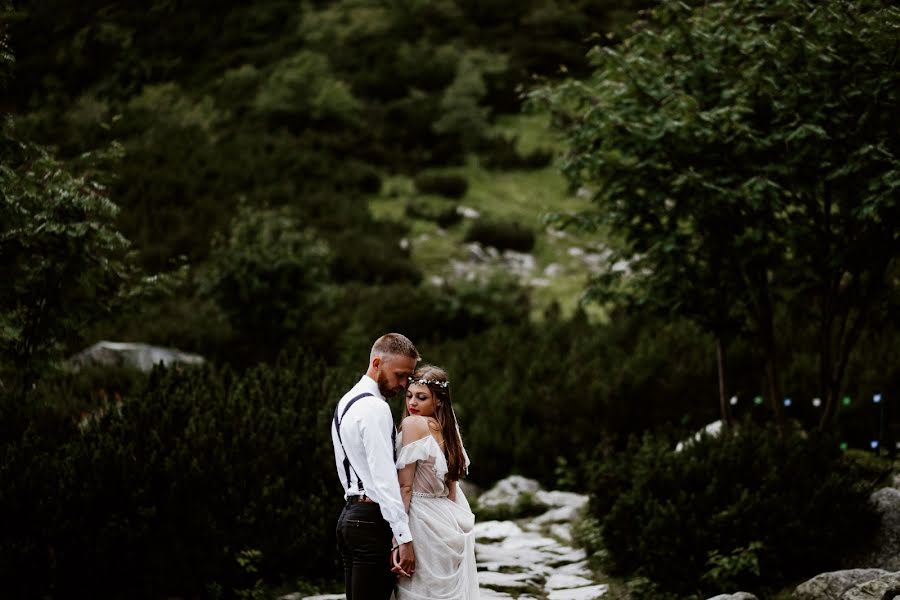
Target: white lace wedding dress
443	535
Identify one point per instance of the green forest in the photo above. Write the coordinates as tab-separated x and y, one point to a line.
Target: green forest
612	222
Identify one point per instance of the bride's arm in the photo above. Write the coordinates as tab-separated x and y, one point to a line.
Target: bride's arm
451	490
412	429
407	475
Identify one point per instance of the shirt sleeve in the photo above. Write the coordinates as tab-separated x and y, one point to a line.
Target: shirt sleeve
384	487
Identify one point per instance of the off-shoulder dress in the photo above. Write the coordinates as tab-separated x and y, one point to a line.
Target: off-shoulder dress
442	530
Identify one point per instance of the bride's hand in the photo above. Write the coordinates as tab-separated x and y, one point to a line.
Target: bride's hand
398	561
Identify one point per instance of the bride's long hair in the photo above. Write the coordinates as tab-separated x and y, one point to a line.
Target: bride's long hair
436	380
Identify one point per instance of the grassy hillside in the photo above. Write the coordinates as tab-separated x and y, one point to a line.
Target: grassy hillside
560	269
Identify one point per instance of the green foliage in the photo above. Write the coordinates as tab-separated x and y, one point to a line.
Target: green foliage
372	259
461	113
581	382
445	216
304	87
503	235
729	571
64	262
749	509
203	478
744	155
450	186
500	152
268	275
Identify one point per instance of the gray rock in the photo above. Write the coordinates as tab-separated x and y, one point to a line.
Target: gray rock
885	551
735	596
564	581
564	514
507	491
134	355
832	585
591	592
876	589
557	499
506	581
496	530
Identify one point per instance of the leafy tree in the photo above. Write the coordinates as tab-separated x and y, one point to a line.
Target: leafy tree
746	154
62	261
269	276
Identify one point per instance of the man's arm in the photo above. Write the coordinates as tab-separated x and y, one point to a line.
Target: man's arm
384	487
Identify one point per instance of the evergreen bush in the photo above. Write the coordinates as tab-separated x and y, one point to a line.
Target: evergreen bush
444	216
503	235
746	510
501	153
163	496
449	186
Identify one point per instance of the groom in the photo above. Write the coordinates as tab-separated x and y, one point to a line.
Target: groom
362	432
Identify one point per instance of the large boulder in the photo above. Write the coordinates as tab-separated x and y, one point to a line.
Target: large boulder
735	596
831	586
142	357
885	587
508	492
884	553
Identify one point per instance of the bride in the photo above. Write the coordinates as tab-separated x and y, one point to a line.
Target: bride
430	464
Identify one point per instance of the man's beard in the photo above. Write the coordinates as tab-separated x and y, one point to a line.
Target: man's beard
383	387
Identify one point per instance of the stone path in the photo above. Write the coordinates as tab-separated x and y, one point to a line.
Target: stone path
530	559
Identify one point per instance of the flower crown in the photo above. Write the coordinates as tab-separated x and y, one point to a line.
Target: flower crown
442	384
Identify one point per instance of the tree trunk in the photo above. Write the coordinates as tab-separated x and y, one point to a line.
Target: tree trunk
720	363
769	344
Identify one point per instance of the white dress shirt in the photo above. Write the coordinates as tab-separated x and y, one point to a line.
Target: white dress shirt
366	433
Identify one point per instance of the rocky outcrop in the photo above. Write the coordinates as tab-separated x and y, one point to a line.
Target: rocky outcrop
832	585
142	357
508	492
885	550
735	596
884	587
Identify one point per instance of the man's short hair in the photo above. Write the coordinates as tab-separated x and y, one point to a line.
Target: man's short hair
394	344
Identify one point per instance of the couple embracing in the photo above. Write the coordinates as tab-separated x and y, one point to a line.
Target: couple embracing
406	526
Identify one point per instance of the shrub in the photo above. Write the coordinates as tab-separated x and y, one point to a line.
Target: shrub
503	235
749	509
444	216
164	496
449	186
559	374
371	259
500	152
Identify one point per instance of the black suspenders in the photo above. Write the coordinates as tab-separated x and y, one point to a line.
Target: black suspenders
337	426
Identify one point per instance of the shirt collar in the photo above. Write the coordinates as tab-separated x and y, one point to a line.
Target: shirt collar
367	384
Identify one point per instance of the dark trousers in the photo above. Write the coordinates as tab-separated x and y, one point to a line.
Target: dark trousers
364	541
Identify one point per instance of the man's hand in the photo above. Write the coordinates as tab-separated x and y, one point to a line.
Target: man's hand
403	560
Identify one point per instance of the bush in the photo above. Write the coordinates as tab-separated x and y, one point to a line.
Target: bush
580	381
366	258
449	186
749	509
503	235
165	495
500	153
444	216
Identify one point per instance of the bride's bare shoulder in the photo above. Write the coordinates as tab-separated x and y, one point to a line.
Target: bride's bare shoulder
414	427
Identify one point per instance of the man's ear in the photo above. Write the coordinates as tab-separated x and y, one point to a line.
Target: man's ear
376	362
